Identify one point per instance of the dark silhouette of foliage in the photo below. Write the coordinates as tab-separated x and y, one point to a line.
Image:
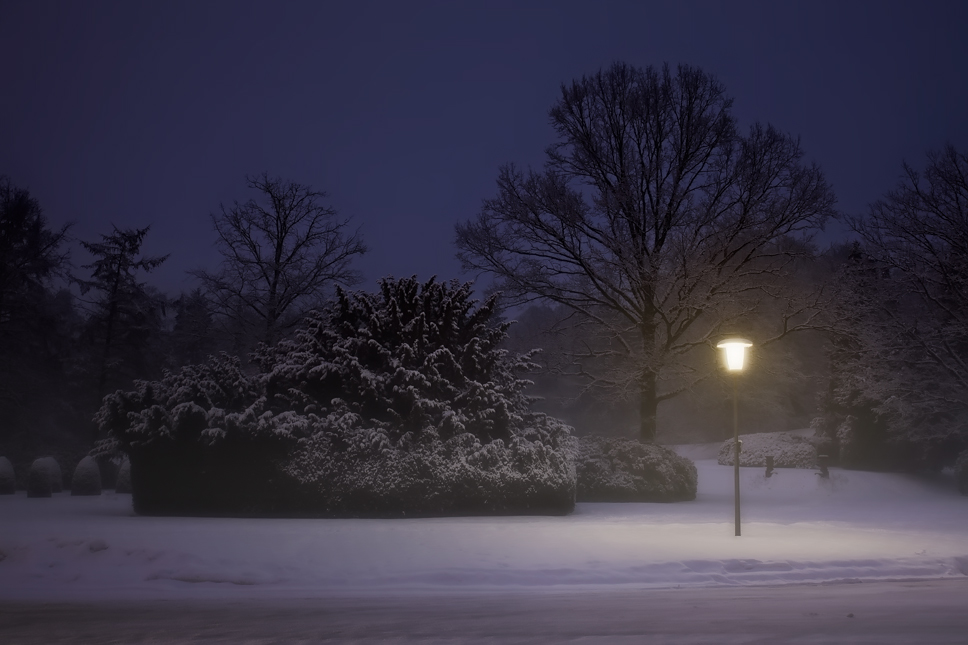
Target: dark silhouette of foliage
31	255
900	395
38	326
126	312
193	337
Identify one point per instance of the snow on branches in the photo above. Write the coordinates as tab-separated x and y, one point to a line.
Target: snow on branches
399	401
408	359
902	350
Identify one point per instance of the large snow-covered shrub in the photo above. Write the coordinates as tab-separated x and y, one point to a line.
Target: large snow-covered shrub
460	475
624	470
788	450
415	408
39	479
398	402
8	479
87	478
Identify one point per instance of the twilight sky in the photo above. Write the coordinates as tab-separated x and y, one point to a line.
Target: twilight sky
138	113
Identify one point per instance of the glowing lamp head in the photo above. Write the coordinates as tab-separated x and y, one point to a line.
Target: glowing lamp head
735	352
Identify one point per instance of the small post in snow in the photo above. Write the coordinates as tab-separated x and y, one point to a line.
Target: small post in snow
822	462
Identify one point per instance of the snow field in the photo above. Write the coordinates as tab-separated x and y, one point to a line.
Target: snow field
797	528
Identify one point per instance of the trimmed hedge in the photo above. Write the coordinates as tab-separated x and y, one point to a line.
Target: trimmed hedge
788	451
39	479
8	479
460	476
56	474
362	478
625	470
182	478
87	478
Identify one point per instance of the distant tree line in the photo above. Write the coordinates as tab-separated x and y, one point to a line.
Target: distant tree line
880	370
655	227
898	389
69	336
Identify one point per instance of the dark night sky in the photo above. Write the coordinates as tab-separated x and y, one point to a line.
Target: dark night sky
153	112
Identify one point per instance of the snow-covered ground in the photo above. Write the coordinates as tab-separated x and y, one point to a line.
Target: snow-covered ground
797	528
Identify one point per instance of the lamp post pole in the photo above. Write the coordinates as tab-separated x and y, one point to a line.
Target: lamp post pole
736	446
735	349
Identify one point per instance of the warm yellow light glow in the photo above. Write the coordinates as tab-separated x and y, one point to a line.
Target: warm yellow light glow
735	352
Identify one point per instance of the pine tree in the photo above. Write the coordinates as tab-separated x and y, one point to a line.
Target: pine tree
126	311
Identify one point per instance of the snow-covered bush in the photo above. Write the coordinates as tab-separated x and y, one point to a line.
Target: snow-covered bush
415	409
8	480
398	402
788	450
56	474
200	403
434	477
410	358
200	440
39	479
961	472
624	470
123	482
87	478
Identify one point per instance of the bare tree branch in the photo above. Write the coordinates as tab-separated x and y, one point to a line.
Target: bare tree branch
280	255
654	219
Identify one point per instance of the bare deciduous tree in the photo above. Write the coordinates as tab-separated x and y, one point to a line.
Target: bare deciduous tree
655	221
279	255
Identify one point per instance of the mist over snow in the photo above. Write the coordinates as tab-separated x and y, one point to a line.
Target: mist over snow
797	528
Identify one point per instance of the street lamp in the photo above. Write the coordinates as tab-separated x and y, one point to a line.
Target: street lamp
735	349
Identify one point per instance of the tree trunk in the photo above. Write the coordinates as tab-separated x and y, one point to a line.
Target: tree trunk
272	305
647	407
109	335
648	402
